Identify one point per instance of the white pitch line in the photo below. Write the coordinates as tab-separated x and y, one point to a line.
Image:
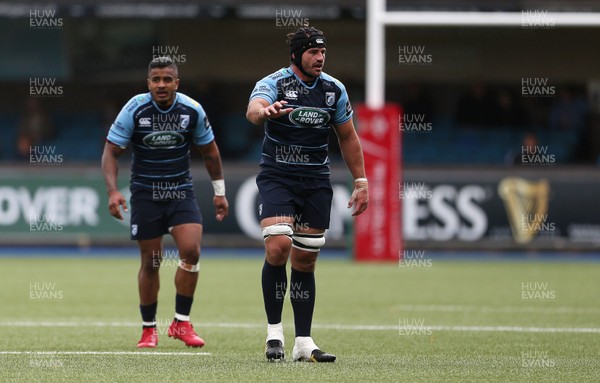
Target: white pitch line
583	330
507	309
68	324
100	353
343	327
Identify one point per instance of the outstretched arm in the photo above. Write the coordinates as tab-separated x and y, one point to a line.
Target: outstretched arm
212	162
353	157
259	110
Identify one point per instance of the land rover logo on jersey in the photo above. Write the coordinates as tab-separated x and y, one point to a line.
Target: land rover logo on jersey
330	98
309	117
163	140
185	121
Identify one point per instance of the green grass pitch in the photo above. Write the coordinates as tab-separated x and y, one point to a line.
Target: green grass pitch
76	320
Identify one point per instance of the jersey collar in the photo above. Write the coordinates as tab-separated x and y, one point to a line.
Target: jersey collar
163	110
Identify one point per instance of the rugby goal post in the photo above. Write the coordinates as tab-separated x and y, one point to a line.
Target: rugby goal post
377	232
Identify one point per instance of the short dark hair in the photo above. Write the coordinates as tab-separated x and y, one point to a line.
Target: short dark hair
162	62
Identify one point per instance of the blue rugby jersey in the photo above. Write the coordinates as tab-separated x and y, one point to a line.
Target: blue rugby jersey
160	140
297	143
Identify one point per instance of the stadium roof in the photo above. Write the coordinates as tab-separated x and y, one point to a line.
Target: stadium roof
314	9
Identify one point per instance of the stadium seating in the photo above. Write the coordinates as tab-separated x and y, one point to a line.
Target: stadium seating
80	137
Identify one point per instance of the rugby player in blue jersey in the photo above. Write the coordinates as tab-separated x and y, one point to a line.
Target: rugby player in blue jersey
298	106
162	126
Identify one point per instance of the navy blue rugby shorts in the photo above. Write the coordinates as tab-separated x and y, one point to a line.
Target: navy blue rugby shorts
153	217
307	200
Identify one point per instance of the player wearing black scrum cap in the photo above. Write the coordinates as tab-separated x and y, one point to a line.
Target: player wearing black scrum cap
298	106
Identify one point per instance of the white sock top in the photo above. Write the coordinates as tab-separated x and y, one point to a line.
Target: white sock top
306	342
275	331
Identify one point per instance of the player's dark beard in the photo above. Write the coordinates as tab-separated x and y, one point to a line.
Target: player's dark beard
311	78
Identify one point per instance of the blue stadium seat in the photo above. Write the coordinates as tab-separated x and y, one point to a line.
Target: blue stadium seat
9	125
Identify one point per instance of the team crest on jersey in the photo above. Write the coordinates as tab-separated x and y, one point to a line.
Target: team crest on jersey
184	121
329	98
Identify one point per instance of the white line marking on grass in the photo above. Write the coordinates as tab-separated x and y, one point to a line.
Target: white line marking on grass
585	330
101	353
342	327
507	309
591	330
68	324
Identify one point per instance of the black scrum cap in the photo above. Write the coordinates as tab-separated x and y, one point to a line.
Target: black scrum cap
302	40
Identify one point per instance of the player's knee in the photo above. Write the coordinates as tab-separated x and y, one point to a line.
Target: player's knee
151	259
278	242
278	250
150	264
191	256
189	260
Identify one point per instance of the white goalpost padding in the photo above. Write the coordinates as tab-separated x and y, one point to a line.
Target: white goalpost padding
378	18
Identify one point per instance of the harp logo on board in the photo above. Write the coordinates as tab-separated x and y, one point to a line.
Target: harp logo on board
526	204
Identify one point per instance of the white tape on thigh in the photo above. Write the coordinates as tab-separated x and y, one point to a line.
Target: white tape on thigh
308	242
278	229
187	267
